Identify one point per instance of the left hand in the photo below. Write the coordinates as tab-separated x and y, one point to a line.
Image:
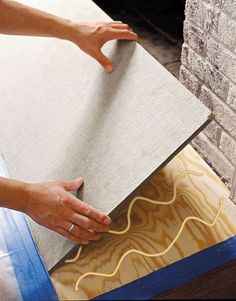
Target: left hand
91	37
52	206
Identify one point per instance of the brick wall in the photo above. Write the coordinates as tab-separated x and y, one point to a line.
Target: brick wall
209	70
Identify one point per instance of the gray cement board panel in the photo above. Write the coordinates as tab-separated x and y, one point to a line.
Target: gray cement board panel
62	116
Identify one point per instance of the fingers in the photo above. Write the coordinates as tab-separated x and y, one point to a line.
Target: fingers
121	26
115	24
113	30
72	237
84	234
122	34
110	23
72	185
88	223
86	210
104	61
95	35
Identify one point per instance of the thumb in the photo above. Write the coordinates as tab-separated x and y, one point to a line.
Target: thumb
73	185
104	61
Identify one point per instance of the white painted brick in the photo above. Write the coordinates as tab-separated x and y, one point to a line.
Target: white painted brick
227	32
190	81
223	114
228	147
205	71
214	157
209	71
193	12
184	54
231	99
213	132
193	62
216	3
195	38
229	6
221	58
211	18
220	26
215	80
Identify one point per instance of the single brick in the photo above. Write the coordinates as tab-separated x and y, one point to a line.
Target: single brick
195	38
223	114
211	18
231	99
189	80
227	32
184	54
221	58
193	12
228	147
193	62
214	157
213	132
215	80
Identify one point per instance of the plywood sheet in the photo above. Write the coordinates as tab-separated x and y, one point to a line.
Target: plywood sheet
153	228
62	116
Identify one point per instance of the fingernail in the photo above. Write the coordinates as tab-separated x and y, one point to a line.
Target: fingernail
85	242
109	68
107	220
80	181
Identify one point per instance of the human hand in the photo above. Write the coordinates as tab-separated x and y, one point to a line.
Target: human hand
52	206
91	37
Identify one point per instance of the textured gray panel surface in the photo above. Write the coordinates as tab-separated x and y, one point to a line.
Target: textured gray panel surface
62	116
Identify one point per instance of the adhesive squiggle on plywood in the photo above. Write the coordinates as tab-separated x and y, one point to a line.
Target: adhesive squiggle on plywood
141	199
129	225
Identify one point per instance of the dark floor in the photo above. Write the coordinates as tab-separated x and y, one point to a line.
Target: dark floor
159	25
217	284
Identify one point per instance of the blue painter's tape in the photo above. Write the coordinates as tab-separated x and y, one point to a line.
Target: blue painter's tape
175	274
32	276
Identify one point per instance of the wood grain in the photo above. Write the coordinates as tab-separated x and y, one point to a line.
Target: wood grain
153	228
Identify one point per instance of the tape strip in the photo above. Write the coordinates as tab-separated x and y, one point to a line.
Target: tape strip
31	274
176	274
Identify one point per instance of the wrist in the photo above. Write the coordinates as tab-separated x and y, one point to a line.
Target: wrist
14	194
25	192
20	196
65	30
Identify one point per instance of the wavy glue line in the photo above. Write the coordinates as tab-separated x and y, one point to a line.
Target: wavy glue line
183	173
129	225
154	254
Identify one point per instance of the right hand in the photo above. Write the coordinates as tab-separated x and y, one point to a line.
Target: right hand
90	37
52	206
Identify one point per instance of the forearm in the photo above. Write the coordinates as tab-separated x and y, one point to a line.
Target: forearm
19	19
13	194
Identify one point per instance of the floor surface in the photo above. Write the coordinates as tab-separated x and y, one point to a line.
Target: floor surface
159	25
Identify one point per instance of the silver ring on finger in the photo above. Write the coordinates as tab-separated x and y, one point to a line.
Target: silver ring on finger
71	228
